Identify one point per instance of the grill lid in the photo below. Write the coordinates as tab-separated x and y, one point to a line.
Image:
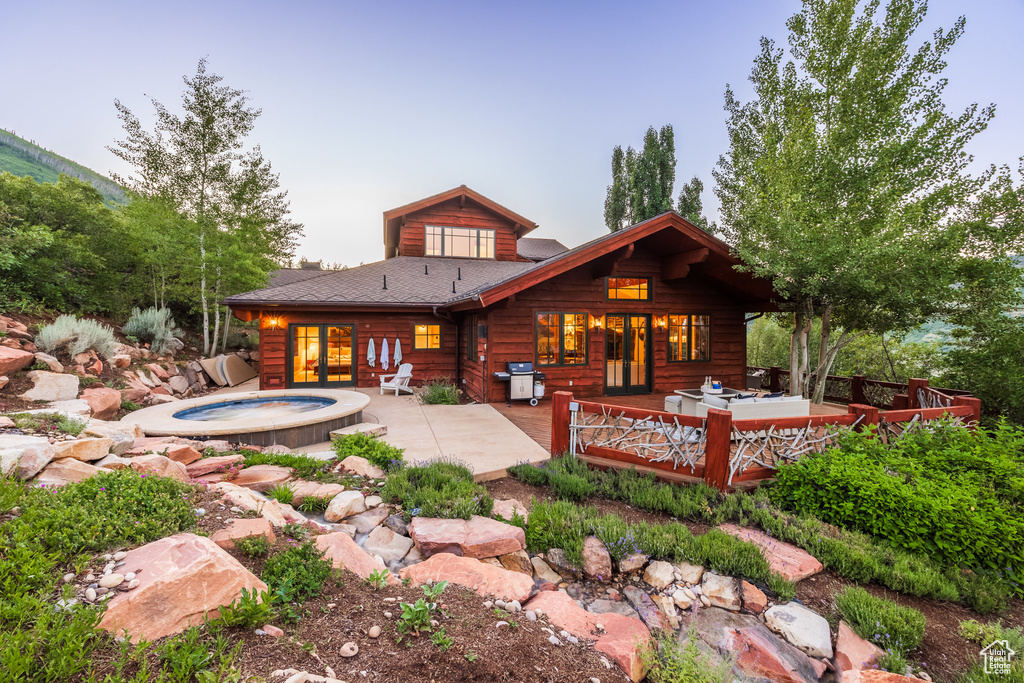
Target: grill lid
520	368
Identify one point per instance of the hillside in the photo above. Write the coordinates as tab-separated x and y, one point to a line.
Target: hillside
22	158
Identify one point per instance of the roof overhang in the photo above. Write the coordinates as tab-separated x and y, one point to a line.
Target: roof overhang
393	218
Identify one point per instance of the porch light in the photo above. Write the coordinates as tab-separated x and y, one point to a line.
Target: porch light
273	323
596	322
661	321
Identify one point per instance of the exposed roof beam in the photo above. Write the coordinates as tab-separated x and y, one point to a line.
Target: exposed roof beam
678	265
606	267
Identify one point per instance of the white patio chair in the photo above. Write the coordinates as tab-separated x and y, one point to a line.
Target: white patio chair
399	381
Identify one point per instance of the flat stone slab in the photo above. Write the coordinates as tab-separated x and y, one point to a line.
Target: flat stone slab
386	543
613	607
722	591
262	478
624	639
66	471
368	428
342	551
793	563
209	465
243	528
24	456
477	537
507	509
807	630
853	652
485	579
645	607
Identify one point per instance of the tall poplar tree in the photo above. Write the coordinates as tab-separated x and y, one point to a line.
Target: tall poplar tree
641	181
846	178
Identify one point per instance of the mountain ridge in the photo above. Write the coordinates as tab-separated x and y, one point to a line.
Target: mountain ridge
23	158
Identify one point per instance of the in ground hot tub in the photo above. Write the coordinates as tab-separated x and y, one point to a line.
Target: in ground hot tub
292	418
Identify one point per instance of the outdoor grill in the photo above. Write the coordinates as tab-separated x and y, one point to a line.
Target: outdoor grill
521	379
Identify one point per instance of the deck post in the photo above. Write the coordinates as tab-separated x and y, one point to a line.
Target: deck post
717	448
857	390
975	405
773	383
869	415
913	385
560	401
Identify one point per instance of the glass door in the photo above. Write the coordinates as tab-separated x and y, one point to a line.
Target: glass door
321	356
627	354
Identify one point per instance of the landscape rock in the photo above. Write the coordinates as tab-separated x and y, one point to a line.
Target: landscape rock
104	402
757	652
805	629
558	561
602	606
156	398
753	599
183	579
66	471
853	652
76	409
689	573
157	370
359	465
519	561
544	572
875	676
50	361
476	537
121	360
385	543
123	434
485	579
184	453
668	609
597	562
24	456
365	522
13	360
243	528
158	464
245	499
624	639
313	489
645	607
659	574
345	504
342	551
4	379
633	562
113	462
87	449
397	524
506	509
721	591
793	563
178	385
51	386
262	478
208	465
682	600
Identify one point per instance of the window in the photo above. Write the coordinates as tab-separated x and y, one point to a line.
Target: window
459	242
427	337
471	338
629	288
689	338
561	339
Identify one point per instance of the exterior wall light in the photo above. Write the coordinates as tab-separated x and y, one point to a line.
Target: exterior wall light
597	322
273	323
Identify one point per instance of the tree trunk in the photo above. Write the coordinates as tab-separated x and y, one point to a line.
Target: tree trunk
821	373
227	325
805	354
202	291
794	354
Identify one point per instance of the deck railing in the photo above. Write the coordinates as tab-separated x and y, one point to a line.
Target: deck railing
724	452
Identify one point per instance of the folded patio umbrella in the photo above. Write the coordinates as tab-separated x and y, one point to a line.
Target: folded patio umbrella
384	353
398	352
371	354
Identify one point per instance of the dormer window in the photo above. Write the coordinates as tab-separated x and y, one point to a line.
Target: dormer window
459	242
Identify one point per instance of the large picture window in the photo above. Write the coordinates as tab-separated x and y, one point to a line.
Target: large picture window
689	338
427	337
629	288
459	242
561	339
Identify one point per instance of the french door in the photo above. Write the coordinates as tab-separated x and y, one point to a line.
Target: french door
627	354
321	355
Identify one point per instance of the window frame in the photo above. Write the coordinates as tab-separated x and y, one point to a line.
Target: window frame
689	337
608	290
561	339
472	338
477	232
415	337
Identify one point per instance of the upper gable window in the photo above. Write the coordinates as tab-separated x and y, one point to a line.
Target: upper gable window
634	288
459	242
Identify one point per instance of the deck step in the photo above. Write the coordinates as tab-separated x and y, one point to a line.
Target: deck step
369	428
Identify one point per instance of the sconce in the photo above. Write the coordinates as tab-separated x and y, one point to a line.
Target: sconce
597	322
273	323
661	321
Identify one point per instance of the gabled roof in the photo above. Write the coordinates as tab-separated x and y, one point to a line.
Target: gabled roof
538	248
393	218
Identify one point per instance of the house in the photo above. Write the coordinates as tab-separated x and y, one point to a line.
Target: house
463	287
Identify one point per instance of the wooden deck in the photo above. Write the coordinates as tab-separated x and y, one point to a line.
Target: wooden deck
536	421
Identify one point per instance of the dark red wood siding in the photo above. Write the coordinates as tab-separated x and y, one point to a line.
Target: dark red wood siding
450	213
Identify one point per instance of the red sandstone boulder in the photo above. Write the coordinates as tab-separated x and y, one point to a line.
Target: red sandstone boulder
597	562
359	465
876	676
179	452
753	599
243	528
342	551
159	465
793	563
485	579
262	477
625	639
12	360
103	401
158	371
478	537
66	471
182	579
507	509
136	392
208	465
82	449
853	652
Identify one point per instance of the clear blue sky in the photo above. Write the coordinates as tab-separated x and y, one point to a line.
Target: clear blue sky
370	105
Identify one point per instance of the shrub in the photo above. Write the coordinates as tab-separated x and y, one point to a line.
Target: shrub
253	546
252	609
315	503
894	628
440	488
49	422
282	493
300	571
681	661
379	453
156	326
72	336
440	391
950	492
305	466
